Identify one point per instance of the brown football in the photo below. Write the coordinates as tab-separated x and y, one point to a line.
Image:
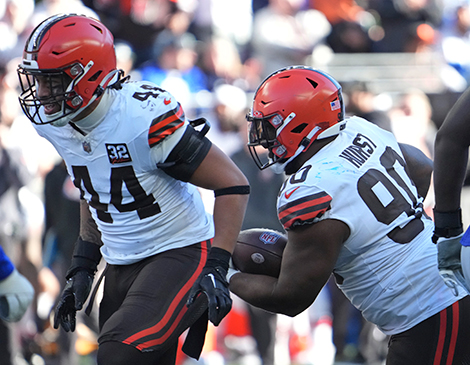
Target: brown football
259	251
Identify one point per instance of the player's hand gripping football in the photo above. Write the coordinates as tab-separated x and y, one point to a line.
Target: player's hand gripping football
213	283
72	299
232	270
447	234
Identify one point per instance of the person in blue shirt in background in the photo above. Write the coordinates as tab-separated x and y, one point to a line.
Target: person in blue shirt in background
16	292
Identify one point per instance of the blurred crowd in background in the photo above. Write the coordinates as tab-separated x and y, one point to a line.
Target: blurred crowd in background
212	54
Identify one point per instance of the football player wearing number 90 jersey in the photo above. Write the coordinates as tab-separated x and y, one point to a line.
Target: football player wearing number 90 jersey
136	161
352	206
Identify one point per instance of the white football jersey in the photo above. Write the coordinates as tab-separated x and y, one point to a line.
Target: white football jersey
387	267
139	209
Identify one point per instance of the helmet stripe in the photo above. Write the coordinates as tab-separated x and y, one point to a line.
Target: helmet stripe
34	40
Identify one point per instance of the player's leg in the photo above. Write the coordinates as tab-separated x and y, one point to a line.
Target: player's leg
144	304
117	353
441	339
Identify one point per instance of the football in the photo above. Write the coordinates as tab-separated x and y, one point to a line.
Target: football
259	251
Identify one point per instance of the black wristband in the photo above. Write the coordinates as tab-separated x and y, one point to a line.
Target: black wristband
233	190
218	257
448	224
86	256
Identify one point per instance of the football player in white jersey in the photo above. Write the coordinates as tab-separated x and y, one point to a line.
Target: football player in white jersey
450	169
137	161
352	206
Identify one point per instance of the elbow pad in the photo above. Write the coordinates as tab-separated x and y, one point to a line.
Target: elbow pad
188	153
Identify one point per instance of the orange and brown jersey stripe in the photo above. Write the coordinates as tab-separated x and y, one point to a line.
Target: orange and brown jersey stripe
304	209
165	125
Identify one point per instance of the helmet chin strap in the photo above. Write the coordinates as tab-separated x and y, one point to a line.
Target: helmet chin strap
109	78
333	130
89	122
60	122
279	167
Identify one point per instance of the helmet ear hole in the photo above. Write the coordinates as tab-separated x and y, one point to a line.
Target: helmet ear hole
298	129
95	76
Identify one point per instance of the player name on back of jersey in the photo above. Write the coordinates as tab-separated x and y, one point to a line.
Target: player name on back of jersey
359	151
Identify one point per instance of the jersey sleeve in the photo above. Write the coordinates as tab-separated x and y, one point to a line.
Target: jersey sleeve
165	125
302	210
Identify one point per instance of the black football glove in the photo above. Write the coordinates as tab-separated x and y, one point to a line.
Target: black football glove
448	231
71	300
85	260
213	283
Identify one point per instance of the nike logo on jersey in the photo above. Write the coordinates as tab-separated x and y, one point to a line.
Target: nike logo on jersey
167	101
288	194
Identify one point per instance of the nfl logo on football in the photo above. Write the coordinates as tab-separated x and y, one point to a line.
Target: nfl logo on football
269	238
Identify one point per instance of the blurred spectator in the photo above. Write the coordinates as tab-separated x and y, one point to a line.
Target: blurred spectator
360	101
61	229
21	216
408	25
227	117
14	28
411	121
284	33
22	210
174	67
349	37
455	41
18	132
13	233
46	8
136	22
125	57
350	24
231	19
252	74
221	62
412	124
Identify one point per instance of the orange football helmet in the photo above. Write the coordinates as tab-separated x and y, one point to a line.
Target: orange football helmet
72	50
293	107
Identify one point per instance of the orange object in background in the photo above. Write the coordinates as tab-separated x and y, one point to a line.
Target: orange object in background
237	323
210	344
337	11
